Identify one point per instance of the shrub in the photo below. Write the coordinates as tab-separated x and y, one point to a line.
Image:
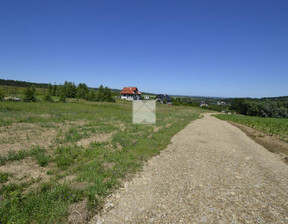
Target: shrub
30	94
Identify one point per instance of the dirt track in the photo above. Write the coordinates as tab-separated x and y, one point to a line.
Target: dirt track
211	173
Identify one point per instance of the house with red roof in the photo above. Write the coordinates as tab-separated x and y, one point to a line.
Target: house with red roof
130	93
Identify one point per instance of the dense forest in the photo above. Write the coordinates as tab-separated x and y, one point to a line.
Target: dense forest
4	82
16	83
264	107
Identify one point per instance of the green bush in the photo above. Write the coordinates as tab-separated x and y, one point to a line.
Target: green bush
30	94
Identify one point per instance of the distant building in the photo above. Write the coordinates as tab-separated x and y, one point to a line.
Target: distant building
130	93
222	103
203	104
146	97
163	98
10	98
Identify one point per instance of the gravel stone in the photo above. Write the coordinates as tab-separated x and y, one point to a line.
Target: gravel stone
210	173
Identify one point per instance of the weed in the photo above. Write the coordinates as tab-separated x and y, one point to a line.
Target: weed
66	156
47	205
3	177
42	160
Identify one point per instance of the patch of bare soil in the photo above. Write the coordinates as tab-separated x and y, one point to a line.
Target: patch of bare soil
157	128
78	213
119	146
25	170
71	180
108	166
68	179
119	125
77	122
269	142
96	138
25	135
80	185
168	125
42	115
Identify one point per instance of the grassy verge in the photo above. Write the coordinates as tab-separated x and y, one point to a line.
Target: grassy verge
277	127
80	171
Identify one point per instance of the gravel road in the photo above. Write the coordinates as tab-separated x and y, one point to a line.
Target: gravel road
210	173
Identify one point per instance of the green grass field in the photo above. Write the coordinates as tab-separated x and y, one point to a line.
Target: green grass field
271	126
56	155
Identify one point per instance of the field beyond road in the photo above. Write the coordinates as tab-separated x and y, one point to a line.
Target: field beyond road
211	173
59	160
277	127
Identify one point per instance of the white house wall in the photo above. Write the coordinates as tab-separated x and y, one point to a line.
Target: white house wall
130	97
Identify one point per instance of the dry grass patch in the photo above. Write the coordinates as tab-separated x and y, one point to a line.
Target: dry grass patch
25	170
108	166
168	125
68	179
19	136
157	128
96	138
78	213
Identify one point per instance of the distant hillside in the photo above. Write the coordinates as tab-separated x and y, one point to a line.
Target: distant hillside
17	83
4	82
279	98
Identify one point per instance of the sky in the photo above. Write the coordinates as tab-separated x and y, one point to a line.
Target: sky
226	48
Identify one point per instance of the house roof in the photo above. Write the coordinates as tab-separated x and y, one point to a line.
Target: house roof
162	97
130	90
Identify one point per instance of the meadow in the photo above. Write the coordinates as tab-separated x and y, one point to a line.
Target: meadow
57	158
277	127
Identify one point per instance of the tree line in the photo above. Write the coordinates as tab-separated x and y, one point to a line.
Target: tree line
191	101
4	82
265	107
70	90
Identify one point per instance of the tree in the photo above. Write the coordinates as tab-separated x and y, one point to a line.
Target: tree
62	94
100	94
253	109
1	94
237	104
70	89
48	95
82	91
283	112
30	94
108	95
175	101
92	95
104	95
54	91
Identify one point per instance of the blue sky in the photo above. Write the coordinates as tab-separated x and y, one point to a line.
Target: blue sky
202	47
